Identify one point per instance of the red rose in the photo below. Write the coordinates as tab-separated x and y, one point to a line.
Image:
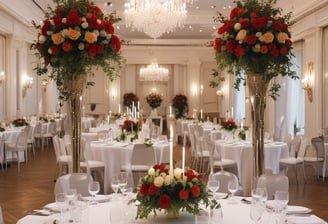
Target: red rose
277	25
164	201
108	26
39	47
73	18
93	22
259	23
239	50
143	189
57	22
283	50
152	190
92	52
59	11
284	27
231	46
288	43
95	10
67	47
195	191
251	40
234	13
264	49
217	44
184	194
54	50
190	174
45	27
244	23
115	43
100	48
46	60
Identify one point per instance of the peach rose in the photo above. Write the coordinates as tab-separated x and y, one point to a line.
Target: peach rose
57	38
282	37
73	34
90	37
168	179
267	37
42	39
178	173
241	35
158	182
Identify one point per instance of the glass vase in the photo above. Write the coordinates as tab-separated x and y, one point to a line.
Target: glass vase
257	86
172	213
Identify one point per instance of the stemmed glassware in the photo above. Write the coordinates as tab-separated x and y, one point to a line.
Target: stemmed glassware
281	201
61	202
115	184
213	185
122	181
233	186
94	189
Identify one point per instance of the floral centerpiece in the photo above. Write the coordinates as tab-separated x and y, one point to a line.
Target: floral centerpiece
43	119
19	122
255	38
229	125
129	99
180	105
154	100
256	41
74	40
129	128
160	191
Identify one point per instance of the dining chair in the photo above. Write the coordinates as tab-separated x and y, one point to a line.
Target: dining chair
20	145
202	153
77	181
63	160
318	159
275	182
143	158
224	177
296	160
39	131
31	140
50	132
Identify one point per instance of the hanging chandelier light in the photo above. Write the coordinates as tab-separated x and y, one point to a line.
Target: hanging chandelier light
154	73
155	17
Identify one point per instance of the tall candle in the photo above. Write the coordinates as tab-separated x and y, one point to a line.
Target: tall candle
171	150
201	114
183	160
232	112
170	109
138	105
119	108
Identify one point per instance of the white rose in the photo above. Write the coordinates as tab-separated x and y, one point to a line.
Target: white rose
237	26
63	20
81	46
85	25
151	171
258	34
163	174
178	173
96	32
49	51
42	39
102	33
158	182
49	33
52	22
84	19
168	179
64	32
257	48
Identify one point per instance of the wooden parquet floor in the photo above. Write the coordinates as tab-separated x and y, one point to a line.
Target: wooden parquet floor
33	188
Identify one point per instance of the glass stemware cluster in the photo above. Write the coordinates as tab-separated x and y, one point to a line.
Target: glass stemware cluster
119	182
259	198
94	189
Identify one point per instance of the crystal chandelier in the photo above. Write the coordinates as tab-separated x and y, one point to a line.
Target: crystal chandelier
154	73
155	17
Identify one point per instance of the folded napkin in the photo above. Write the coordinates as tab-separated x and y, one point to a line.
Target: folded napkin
304	220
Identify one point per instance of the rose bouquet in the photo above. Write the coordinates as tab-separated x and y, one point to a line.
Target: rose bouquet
255	38
178	192
154	100
180	105
129	99
19	122
229	125
129	128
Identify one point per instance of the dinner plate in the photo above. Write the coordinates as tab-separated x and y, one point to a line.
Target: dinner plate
52	207
220	195
294	209
99	198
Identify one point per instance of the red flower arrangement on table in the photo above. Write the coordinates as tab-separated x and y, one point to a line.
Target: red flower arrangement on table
129	99
19	122
154	100
129	127
229	125
255	38
180	105
159	190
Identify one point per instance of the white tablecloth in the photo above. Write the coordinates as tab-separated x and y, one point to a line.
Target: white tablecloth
241	152
111	212
9	136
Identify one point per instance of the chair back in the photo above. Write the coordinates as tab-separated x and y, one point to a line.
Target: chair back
294	146
302	147
68	144
52	129
275	182
55	141
22	137
37	129
224	177
78	181
287	139
318	144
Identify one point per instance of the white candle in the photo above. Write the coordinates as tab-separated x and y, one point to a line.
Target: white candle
138	105
232	112
171	151
201	114
183	160
119	108
170	109
241	125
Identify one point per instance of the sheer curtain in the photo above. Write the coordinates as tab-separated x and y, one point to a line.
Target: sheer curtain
289	107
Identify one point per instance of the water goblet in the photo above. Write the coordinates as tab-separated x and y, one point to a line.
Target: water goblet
61	202
256	211
213	185
122	181
94	189
115	185
233	186
281	201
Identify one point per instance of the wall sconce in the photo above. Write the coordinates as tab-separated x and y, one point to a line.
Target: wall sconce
2	77
28	81
308	81
220	92
44	84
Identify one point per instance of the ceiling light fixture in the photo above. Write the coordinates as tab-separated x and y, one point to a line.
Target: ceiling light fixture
154	73
155	17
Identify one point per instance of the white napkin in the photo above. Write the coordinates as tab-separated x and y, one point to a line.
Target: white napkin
304	220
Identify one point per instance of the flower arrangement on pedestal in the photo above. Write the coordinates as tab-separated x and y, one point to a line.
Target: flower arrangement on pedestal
73	40
154	100
180	105
129	99
178	192
129	129
229	125
19	122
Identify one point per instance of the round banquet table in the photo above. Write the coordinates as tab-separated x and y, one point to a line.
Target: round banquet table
242	153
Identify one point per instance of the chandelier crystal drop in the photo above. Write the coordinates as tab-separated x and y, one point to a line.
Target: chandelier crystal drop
154	73
155	17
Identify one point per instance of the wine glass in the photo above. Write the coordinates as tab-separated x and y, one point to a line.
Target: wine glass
233	186
94	189
281	200
213	185
61	202
122	181
115	184
256	211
